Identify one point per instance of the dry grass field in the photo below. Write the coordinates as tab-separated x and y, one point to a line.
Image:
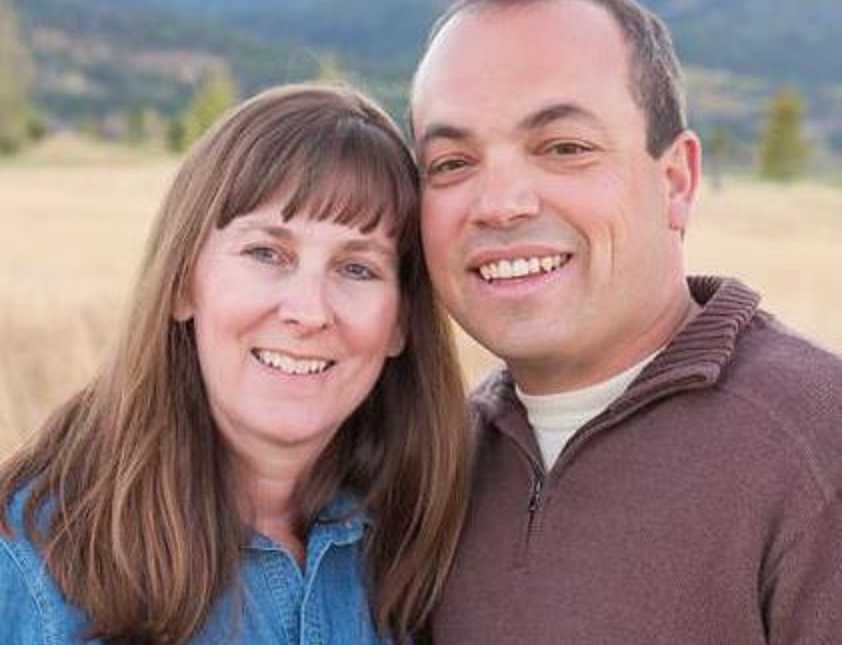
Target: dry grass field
74	216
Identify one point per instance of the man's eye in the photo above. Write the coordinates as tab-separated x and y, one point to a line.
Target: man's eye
448	165
357	271
566	148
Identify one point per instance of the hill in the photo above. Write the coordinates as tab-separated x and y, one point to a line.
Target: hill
101	55
98	56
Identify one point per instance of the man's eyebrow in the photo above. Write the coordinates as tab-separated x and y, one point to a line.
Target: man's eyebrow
441	131
538	119
557	112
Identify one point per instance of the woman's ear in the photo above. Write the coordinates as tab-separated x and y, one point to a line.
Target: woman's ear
182	310
397	342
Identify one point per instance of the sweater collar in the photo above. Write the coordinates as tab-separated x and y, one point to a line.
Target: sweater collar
694	358
698	354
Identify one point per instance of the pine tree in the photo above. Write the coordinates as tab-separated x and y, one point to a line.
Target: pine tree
15	82
783	150
331	69
215	94
718	148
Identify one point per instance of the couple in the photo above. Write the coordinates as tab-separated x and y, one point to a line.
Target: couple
276	450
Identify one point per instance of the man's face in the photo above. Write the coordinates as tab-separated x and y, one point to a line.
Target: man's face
551	234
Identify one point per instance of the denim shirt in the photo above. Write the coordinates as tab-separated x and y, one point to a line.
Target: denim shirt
275	603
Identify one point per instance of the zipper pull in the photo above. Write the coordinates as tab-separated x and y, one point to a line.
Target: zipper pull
535	495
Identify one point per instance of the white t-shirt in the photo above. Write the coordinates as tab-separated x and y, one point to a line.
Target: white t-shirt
556	417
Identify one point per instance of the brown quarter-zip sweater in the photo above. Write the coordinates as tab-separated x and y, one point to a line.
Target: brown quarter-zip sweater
701	508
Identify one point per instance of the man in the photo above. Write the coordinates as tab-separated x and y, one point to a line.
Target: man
661	461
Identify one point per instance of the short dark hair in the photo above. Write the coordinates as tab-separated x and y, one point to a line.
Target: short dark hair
656	82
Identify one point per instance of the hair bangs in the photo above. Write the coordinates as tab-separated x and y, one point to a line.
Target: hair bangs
353	175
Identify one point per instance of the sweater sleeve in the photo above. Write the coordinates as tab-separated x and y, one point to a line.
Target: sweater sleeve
803	597
21	622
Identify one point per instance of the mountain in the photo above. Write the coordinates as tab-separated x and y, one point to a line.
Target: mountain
102	55
790	42
98	56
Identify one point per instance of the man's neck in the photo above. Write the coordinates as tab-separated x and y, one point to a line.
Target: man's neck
587	367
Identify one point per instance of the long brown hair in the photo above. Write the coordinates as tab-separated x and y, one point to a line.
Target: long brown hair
143	531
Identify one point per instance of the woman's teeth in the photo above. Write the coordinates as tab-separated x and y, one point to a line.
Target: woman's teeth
290	365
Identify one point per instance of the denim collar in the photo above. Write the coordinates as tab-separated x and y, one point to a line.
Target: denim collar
341	522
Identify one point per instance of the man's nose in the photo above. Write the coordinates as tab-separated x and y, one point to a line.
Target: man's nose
304	306
505	197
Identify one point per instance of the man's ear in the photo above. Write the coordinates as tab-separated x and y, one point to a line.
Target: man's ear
682	163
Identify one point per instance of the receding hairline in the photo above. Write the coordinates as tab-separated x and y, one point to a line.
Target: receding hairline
653	74
456	12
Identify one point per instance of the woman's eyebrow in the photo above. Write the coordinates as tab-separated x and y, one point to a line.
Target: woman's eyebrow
370	245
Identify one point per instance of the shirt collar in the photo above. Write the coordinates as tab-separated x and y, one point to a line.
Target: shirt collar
342	521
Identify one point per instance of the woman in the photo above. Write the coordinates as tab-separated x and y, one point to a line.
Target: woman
275	451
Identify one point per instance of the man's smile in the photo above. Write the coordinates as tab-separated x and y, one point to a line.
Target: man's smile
506	269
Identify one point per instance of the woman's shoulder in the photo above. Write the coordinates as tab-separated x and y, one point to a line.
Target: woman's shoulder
23	618
21	567
16	544
30	601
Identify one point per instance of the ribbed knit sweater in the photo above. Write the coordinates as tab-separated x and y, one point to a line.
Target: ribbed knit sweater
701	508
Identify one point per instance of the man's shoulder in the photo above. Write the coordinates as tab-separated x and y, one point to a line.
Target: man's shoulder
750	347
787	390
769	354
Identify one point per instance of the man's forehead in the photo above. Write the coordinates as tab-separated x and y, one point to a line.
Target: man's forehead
516	60
542	35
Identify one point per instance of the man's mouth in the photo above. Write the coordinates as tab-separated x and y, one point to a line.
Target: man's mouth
509	269
292	365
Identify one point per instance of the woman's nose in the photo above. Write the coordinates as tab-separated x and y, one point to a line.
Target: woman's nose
304	306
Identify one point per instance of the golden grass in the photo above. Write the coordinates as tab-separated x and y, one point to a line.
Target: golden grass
74	216
783	240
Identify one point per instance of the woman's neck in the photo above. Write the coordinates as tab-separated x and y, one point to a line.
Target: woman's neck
264	488
266	498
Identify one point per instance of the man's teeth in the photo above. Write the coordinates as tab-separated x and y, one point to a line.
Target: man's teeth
290	365
517	268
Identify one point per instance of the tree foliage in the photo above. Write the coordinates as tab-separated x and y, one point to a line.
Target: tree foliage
214	95
718	148
783	149
15	81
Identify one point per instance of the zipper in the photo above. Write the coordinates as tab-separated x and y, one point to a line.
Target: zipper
534	499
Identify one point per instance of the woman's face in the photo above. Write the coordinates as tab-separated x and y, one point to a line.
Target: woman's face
293	321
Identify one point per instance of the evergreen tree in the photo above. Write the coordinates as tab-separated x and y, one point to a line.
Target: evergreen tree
215	94
331	69
15	81
783	150
718	148
137	131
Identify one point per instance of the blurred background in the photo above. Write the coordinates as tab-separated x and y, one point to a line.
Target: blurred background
99	98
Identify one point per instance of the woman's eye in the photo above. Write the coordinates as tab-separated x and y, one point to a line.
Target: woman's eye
358	271
265	254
